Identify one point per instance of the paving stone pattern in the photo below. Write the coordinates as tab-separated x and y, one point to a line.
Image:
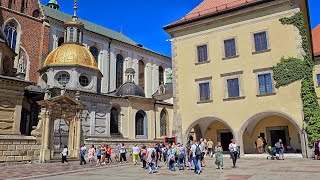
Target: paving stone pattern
247	169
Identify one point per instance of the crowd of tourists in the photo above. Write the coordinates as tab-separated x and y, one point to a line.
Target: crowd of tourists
189	156
173	156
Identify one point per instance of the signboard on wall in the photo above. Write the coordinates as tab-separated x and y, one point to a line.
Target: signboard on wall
170	139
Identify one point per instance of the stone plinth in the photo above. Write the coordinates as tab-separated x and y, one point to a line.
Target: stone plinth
18	148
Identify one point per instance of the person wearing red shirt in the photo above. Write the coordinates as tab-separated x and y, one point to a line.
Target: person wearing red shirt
109	151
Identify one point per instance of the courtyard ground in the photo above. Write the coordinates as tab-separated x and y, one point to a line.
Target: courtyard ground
247	169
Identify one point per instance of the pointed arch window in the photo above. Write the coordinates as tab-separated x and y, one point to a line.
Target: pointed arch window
141	74
119	70
10	4
141	125
161	75
11	33
95	52
23	8
78	37
114	121
163	123
71	34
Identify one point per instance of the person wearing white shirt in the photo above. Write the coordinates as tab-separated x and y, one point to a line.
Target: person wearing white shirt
196	155
233	152
64	155
135	154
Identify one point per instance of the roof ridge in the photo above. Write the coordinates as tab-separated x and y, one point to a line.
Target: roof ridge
88	22
96	28
317	27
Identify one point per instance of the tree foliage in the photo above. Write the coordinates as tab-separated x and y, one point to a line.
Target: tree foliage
290	70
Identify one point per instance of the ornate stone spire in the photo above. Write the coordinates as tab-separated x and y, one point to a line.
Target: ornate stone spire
75	8
53	4
74	28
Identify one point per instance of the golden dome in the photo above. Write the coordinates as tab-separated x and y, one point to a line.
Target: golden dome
71	54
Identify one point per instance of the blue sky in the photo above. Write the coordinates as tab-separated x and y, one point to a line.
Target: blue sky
142	20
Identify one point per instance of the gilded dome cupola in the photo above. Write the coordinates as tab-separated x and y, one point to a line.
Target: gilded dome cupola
72	65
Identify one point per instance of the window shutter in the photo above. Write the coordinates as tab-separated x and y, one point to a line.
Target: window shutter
236	86
257	42
234	53
264	41
268	83
226	47
208	91
199	54
205	53
261	84
230	88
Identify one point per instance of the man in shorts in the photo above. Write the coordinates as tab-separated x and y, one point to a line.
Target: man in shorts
210	148
135	154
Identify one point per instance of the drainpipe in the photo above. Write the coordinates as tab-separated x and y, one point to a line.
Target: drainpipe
305	141
155	119
109	64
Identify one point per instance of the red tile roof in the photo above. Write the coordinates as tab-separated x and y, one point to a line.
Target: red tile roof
208	7
316	40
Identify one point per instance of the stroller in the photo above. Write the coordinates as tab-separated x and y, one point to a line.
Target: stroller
272	153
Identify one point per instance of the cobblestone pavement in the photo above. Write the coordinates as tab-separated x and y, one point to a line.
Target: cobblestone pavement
247	169
29	171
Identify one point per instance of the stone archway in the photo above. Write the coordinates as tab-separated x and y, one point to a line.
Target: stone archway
210	128
51	110
272	125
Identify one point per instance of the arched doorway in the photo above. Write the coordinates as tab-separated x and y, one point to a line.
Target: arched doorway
114	121
272	126
60	137
210	128
141	125
164	123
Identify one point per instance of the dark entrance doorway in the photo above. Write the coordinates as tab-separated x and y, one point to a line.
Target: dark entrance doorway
276	135
226	140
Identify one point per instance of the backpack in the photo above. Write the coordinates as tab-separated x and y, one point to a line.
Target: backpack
181	154
278	145
153	155
198	151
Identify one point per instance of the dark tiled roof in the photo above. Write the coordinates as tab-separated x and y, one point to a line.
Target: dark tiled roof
129	89
61	16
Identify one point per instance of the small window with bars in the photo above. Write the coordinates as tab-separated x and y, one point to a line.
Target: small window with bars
265	84
233	87
230	48
202	53
204	91
260	41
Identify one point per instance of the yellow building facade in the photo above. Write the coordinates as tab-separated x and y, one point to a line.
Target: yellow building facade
222	70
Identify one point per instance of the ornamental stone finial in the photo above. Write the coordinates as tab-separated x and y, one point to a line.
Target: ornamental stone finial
75	8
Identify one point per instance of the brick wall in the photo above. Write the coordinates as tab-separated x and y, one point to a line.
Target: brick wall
35	33
19	150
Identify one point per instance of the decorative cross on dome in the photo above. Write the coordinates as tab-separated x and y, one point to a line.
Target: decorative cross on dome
75	8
